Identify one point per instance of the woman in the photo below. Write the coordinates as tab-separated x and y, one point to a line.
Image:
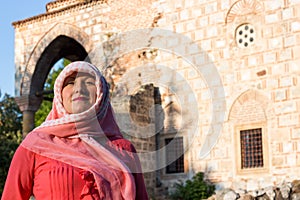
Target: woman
78	152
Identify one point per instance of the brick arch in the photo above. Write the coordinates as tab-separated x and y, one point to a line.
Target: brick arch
250	107
59	29
243	7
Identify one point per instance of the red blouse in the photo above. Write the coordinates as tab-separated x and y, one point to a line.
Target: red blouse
48	179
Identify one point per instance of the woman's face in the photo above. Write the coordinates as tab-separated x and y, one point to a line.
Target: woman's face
79	92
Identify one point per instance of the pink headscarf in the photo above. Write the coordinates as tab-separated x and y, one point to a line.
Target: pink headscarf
79	139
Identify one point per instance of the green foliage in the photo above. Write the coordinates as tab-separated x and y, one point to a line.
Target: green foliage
66	62
43	112
194	189
10	134
10	115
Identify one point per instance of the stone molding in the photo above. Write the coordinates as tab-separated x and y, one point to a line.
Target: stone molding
63	4
28	102
56	12
253	95
243	7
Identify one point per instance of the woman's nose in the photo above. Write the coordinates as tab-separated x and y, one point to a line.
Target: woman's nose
79	87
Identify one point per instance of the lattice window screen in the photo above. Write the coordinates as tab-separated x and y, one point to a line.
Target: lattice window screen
251	148
174	155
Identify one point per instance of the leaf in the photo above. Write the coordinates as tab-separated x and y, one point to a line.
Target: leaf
194	189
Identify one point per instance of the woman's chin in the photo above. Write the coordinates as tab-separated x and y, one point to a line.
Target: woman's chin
80	108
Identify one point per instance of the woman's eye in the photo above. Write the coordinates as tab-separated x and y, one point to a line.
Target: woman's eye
70	83
90	83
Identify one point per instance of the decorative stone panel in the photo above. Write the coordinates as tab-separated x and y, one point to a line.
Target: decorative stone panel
242	8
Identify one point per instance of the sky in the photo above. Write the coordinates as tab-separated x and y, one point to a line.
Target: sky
11	11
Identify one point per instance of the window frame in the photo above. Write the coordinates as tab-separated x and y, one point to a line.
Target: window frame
165	176
182	159
251	170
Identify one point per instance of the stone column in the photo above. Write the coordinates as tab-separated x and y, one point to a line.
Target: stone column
28	121
28	104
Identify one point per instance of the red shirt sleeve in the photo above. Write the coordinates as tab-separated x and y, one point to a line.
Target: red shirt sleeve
19	181
135	166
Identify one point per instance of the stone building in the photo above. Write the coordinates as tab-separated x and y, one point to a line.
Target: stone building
209	86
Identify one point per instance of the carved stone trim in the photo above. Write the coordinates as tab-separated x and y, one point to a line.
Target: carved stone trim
243	7
28	102
61	4
51	15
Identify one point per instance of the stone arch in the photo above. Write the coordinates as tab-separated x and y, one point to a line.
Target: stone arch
61	47
250	107
243	7
60	36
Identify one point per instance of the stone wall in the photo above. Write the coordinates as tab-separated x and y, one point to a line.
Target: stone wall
284	191
261	80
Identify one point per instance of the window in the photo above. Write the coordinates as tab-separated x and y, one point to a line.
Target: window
174	155
245	35
251	148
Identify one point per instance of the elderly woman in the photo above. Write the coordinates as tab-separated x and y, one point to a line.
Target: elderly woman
78	152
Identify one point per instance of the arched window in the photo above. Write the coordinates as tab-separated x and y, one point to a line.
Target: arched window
248	116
